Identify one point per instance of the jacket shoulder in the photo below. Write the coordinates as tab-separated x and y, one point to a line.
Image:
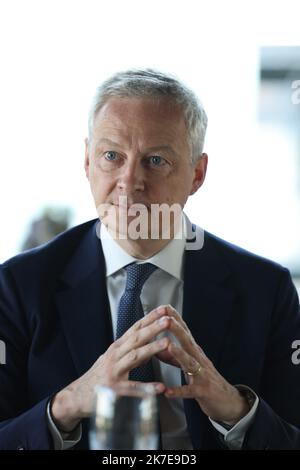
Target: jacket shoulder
242	260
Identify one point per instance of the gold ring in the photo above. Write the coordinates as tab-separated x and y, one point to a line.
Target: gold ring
196	372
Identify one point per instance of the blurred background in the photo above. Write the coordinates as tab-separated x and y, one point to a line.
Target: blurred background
241	58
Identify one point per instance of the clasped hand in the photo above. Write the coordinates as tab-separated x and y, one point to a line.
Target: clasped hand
217	398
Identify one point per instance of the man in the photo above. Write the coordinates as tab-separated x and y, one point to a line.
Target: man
211	327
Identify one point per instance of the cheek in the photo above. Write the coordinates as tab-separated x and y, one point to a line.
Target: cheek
176	190
101	186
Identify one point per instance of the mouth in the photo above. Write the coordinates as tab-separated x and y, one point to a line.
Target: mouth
139	206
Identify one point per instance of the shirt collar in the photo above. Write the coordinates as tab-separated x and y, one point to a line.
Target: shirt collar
169	259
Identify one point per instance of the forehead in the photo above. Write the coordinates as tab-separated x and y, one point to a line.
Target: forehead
140	116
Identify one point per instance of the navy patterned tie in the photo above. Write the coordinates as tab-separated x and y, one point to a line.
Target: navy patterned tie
131	310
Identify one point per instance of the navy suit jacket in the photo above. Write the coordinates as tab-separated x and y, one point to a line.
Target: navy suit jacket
54	318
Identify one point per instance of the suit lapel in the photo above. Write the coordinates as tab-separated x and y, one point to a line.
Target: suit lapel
83	304
207	308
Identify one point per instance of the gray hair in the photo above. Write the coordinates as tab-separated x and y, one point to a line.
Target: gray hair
149	83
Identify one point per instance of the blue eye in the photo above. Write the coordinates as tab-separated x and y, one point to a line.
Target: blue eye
111	155
156	160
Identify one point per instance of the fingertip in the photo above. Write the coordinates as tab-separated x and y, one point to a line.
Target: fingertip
169	393
171	310
161	310
147	388
159	388
167	308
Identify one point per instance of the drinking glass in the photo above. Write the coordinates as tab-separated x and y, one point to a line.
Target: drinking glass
124	418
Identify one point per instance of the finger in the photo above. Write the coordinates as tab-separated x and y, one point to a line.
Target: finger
134	388
167	358
151	316
137	357
172	312
147	387
185	360
187	342
186	391
143	336
145	321
185	337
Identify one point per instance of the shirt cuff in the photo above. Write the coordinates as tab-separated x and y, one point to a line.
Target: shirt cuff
62	440
234	437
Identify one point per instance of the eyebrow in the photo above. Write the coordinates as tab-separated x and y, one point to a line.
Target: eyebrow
104	140
156	148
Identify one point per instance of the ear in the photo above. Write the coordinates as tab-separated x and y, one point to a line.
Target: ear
87	158
200	173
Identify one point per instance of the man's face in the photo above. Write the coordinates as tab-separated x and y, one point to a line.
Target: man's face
139	149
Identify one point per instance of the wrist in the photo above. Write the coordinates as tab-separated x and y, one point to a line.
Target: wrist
243	406
63	412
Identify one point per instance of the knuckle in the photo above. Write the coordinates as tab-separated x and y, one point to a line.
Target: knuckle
136	339
133	355
109	355
139	325
193	364
113	356
124	337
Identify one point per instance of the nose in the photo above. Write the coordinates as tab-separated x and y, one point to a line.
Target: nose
131	178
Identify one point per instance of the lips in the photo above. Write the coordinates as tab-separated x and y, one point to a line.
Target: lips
137	205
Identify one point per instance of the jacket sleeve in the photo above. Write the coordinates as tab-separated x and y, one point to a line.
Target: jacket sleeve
23	424
277	420
28	431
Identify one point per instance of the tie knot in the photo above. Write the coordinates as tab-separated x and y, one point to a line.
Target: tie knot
137	274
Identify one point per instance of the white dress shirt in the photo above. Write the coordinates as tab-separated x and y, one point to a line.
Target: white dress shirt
169	274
